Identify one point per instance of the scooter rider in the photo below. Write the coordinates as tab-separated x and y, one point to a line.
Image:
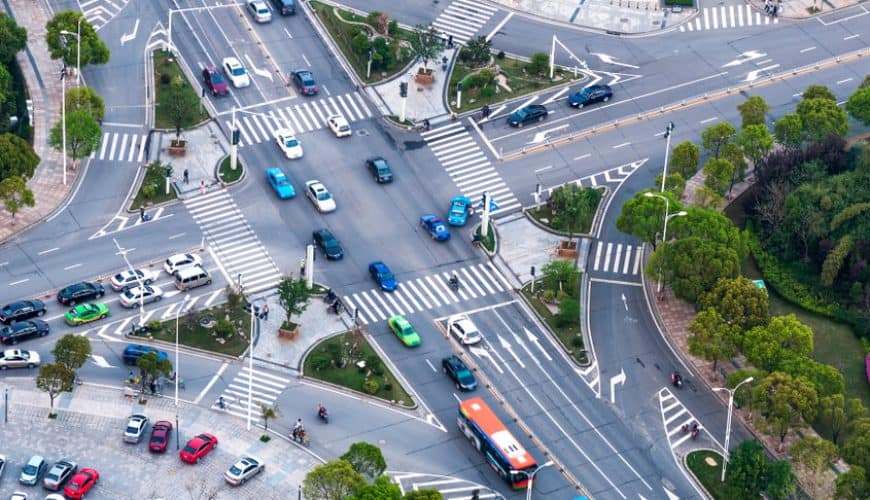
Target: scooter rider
321	411
298	429
677	379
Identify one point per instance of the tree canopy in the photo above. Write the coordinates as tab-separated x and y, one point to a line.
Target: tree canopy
83	135
789	130
712	338
718	172
93	50
334	480
822	117
756	141
366	459
716	136
85	99
738	301
13	38
17	158
293	296
644	216
784	403
72	350
784	337
709	225
15	194
54	379
813	455
381	489
858	105
692	266
752	110
836	414
685	158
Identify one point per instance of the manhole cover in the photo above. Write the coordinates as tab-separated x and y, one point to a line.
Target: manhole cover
362	132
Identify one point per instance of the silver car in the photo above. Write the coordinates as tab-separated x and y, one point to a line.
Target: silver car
244	469
136	426
260	11
31	472
17	358
58	474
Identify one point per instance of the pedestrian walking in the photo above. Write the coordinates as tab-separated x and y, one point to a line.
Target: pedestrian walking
202	186
142	212
153	387
186	176
264	312
302	267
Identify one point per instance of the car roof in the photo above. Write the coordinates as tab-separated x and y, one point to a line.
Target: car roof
232	61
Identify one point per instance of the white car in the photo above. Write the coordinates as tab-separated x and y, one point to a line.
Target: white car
339	126
236	72
463	329
17	358
289	144
132	297
18	495
179	260
244	469
136	426
130	278
259	11
320	196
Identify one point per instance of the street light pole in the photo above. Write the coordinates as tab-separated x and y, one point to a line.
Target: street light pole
728	424
668	216
79	50
668	131
63	117
177	373
251	368
532	477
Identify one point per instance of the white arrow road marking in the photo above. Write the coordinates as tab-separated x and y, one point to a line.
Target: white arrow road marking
556	95
132	36
480	352
507	347
530	101
522	344
262	72
616	379
608	59
753	75
745	57
671	496
100	361
541	136
534	340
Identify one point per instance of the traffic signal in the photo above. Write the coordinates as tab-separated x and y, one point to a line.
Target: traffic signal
403	89
235	137
169	171
459	86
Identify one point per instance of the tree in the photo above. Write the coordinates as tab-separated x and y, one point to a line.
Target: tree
93	50
784	403
72	351
17	158
738	301
569	312
334	480
424	494
858	105
852	484
684	159
366	459
382	489
573	207
789	130
83	135
836	413
183	105
675	184
15	194
428	42
643	216
719	173
85	99
713	138
784	337
268	413
821	118
712	338
152	366
54	378
743	395
856	448
538	64
818	92
558	275
8	106
781	481
745	475
477	51
711	226
708	198
293	297
756	141
752	111
813	455
360	43
734	153
692	266
13	38
834	261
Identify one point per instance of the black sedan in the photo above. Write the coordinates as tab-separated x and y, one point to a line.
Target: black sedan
304	81
324	239
80	292
23	309
526	114
589	95
23	330
380	170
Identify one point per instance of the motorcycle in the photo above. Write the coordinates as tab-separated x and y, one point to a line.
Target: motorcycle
677	380
323	415
695	431
300	437
453	283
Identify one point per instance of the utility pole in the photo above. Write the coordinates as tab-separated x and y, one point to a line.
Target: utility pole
63	116
234	148
123	253
668	131
484	218
458	95
403	93
309	266
369	68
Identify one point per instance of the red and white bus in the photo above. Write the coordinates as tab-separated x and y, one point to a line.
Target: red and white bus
489	435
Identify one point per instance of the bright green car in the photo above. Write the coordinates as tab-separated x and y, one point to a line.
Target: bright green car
85	313
406	333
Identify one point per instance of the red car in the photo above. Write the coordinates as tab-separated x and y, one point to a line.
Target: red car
197	448
215	81
160	432
81	483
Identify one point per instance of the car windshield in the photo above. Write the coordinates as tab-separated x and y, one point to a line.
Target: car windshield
407	330
281	181
291	143
385	276
238	71
189	449
323	195
439	227
132	429
306	79
235	470
522	113
262	10
52	475
157	439
72	485
330	243
344	128
465	376
30	469
216	77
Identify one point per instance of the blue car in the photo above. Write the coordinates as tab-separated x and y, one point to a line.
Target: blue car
133	352
382	276
435	227
280	183
460	209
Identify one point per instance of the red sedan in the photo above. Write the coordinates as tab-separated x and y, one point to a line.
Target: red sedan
81	483
197	448
160	433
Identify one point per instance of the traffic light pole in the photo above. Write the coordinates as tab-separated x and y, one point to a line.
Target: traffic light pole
484	218
458	95
234	148
309	266
403	93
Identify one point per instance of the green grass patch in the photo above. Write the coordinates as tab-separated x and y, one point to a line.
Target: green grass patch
395	119
226	174
343	33
335	360
519	82
707	475
166	69
568	334
192	332
152	191
488	242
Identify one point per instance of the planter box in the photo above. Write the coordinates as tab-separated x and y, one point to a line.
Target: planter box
567	249
177	148
425	78
288	333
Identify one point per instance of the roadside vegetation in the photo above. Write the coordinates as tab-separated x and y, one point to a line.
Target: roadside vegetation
749	475
570	209
177	105
226	174
557	300
152	190
350	361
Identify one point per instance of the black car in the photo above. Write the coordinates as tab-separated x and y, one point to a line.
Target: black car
285	7
304	81
459	373
589	95
24	309
380	170
23	330
327	242
80	292
526	114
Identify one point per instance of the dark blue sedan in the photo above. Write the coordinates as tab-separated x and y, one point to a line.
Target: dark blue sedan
589	95
527	114
435	227
382	276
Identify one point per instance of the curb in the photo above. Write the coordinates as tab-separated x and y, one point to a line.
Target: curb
171	345
590	354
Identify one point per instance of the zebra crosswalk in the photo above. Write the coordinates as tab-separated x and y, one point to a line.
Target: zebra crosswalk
451	488
307	116
121	146
236	247
626	259
463	19
100	12
727	16
674	417
265	389
468	166
427	292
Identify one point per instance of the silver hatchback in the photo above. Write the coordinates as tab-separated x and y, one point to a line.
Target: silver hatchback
58	474
260	11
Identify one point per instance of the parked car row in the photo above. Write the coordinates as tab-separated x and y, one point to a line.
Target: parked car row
63	475
579	99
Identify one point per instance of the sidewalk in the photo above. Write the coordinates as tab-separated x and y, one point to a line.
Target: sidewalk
800	9
207	146
613	16
423	102
41	75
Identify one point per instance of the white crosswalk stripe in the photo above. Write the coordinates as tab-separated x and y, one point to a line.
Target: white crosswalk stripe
100	12
617	258
451	488
122	223
728	16
677	419
468	166
300	118
121	146
235	245
419	294
265	389
463	19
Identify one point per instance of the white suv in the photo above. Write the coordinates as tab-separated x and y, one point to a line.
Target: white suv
259	11
289	144
179	260
464	329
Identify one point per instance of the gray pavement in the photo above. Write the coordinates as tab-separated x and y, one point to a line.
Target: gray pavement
424	101
207	146
522	244
614	16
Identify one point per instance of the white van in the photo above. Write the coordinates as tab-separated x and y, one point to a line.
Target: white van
191	277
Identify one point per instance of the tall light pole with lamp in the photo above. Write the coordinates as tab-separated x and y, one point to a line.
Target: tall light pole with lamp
531	477
668	216
728	424
177	372
668	130
251	363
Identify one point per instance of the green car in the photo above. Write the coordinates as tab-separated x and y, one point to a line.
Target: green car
85	313
406	333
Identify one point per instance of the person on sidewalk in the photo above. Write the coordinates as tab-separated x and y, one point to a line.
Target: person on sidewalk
186	176
264	312
142	212
202	186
